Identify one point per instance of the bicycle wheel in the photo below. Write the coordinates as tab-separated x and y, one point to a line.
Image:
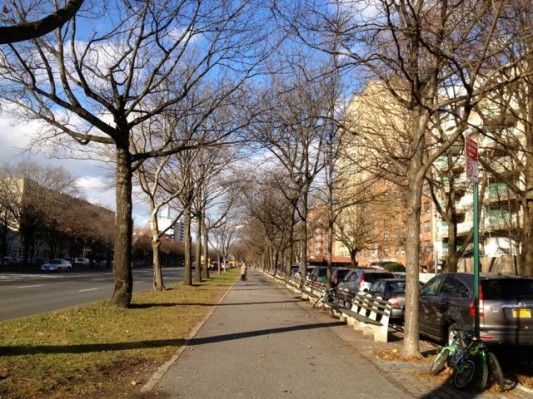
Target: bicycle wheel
464	374
440	361
316	301
496	371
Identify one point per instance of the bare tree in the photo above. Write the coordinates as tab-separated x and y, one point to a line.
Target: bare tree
420	52
148	58
19	29
161	189
271	230
292	129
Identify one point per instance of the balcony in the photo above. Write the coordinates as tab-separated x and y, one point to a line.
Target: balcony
500	219
498	192
442	229
465	226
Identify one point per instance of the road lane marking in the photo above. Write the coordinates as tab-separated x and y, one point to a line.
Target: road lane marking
30	286
89	289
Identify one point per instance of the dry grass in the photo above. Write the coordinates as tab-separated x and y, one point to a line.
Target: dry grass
99	350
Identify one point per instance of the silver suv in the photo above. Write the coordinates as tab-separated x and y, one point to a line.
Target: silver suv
506	307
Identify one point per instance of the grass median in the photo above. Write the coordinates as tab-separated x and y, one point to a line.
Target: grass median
98	350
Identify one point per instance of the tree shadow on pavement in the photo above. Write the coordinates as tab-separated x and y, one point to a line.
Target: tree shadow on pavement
20	350
155	305
170	304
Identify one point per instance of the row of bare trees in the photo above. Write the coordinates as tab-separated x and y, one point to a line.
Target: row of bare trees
382	90
115	84
42	206
426	75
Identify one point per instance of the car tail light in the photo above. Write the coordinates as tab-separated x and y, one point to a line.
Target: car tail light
472	310
361	281
393	300
481	303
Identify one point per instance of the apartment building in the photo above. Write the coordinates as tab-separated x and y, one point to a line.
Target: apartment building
38	223
317	244
380	127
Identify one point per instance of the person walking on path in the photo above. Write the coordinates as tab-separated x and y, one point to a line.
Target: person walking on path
243	272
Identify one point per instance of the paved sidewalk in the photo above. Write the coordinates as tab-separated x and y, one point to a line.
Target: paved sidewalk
260	342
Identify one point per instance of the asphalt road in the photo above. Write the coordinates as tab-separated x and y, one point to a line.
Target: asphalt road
28	294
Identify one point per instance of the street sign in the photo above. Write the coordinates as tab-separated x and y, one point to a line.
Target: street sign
472	166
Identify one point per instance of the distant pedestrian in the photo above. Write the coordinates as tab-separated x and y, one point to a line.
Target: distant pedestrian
243	272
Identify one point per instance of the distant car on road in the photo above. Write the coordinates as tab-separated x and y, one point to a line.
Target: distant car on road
57	265
82	261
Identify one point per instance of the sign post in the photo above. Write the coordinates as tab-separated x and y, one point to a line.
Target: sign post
472	174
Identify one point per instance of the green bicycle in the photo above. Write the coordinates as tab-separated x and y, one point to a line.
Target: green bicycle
448	352
471	361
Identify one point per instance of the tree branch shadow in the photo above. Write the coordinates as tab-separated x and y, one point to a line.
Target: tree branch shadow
20	350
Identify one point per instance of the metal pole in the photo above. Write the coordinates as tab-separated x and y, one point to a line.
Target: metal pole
476	260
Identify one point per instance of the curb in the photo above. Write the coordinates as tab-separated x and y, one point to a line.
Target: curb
161	371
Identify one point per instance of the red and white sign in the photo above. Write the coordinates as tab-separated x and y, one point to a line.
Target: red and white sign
472	167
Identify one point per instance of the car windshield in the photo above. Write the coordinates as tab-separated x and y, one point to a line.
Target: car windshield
397	286
371	277
56	261
349	275
342	273
506	289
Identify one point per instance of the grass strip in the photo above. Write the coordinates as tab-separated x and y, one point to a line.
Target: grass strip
98	350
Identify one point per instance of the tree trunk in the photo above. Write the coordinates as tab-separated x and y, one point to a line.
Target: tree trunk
205	269
451	215
187	275
157	284
527	244
414	194
353	254
329	253
291	242
123	229
198	249
304	238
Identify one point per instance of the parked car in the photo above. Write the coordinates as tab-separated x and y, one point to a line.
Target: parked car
506	307
393	291
318	274
310	270
5	261
338	275
362	279
57	265
82	261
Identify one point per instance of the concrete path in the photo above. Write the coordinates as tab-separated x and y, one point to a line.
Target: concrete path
261	343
